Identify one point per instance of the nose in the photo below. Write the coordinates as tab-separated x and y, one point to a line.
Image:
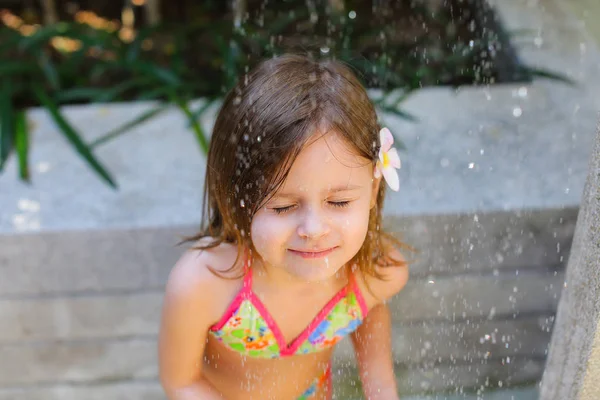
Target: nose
313	225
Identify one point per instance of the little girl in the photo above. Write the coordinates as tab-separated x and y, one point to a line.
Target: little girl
290	258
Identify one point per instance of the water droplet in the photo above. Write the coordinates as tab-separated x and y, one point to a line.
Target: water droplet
28	205
324	49
43	167
522	92
517	112
471	165
538	41
237	100
352	14
242	203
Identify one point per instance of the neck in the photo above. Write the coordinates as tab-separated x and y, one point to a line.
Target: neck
282	280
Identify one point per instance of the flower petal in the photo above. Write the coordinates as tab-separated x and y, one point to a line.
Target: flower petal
391	177
394	158
386	138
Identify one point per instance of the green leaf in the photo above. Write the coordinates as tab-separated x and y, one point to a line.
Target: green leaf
71	135
79	93
200	135
6	122
157	72
8	68
544	73
114	92
279	25
129	125
22	145
135	47
49	71
198	113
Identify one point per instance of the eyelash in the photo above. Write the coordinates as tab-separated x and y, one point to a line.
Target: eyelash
340	204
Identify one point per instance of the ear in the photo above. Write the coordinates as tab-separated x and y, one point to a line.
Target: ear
374	191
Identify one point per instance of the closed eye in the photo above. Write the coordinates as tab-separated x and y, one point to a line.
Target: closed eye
281	210
340	204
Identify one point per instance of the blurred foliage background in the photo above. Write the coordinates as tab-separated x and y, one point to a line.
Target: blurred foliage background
59	52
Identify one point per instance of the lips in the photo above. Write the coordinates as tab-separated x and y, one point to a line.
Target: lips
312	253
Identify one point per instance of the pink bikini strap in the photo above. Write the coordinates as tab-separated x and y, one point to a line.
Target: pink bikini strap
358	293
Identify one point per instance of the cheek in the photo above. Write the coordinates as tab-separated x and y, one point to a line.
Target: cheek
268	233
354	225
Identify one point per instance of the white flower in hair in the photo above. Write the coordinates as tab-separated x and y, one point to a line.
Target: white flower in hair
388	161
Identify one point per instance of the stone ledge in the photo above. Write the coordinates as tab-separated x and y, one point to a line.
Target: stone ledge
110	391
78	362
137	259
446	299
94	363
453	378
465	342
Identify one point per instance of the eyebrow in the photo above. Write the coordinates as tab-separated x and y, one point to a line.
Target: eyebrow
332	190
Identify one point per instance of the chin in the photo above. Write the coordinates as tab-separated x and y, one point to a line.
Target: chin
313	271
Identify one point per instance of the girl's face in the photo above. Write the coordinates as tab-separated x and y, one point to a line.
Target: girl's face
318	220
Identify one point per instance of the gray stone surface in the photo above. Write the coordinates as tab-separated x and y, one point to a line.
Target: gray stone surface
135	390
98	261
572	371
465	342
486	242
118	260
79	317
527	393
451	378
453	299
78	362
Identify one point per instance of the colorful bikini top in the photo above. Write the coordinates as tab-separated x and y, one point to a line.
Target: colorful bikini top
248	328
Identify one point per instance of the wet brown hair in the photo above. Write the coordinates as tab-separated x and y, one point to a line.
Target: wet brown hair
263	124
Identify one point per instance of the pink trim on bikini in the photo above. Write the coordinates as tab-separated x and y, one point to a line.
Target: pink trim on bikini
361	300
284	348
244	294
315	322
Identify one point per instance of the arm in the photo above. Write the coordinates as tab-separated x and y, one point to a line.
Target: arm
184	325
372	340
373	348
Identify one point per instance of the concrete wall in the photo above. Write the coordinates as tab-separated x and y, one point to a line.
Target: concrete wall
573	366
79	313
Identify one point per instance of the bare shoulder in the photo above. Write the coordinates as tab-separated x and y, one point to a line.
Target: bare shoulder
392	278
192	282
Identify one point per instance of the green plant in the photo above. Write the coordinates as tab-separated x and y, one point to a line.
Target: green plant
72	62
